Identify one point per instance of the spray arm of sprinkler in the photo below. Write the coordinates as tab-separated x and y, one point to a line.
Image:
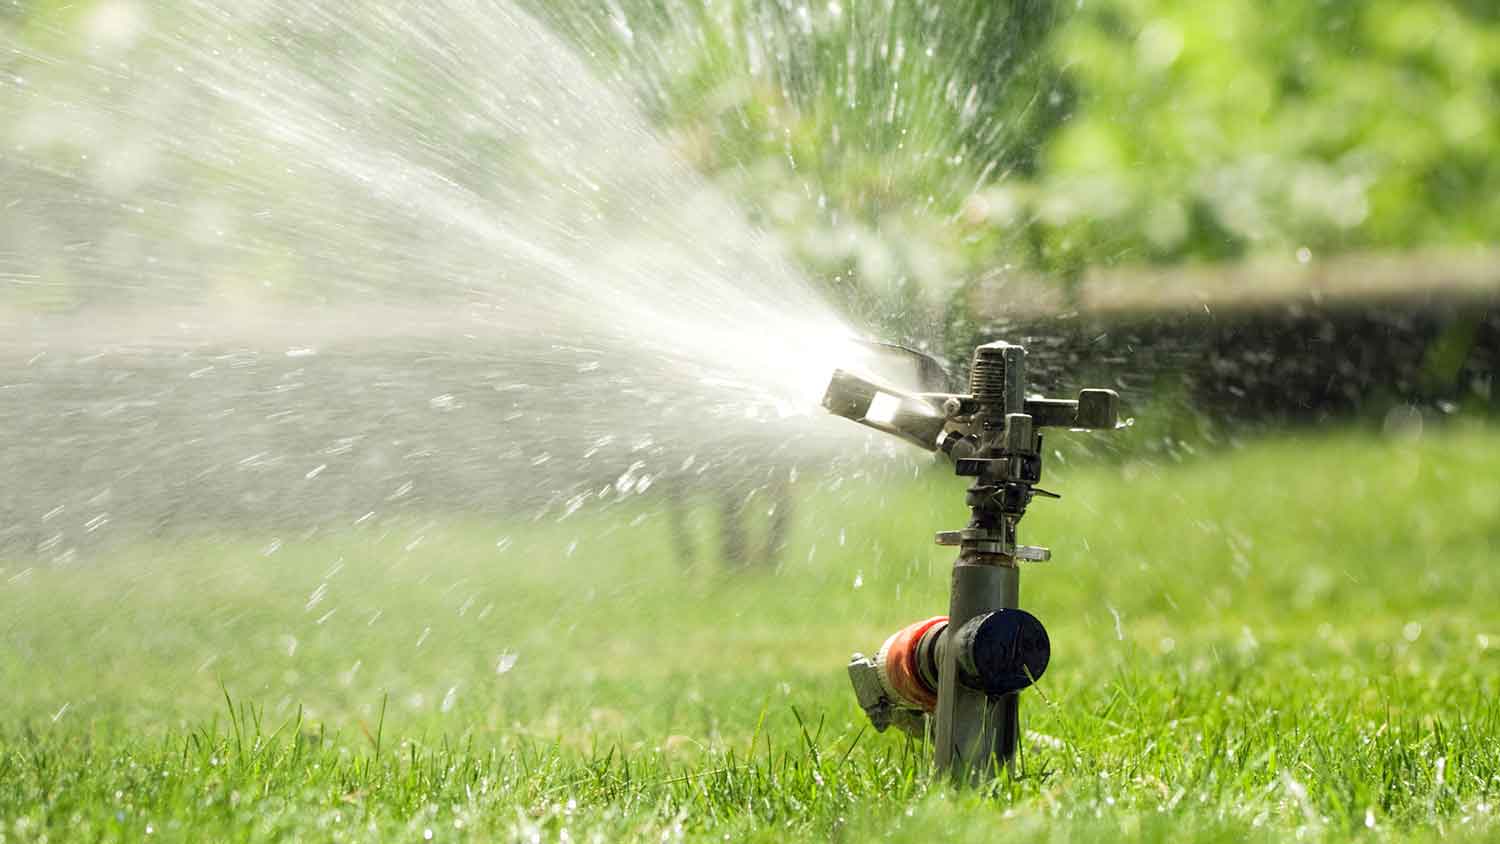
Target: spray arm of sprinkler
917	418
942	421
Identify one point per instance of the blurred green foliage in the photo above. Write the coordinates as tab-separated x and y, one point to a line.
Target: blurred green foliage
1207	130
911	146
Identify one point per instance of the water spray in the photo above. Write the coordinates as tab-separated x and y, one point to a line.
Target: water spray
957	677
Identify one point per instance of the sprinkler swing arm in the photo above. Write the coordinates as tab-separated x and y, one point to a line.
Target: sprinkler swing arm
960	674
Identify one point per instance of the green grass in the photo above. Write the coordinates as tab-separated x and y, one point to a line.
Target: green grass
1296	639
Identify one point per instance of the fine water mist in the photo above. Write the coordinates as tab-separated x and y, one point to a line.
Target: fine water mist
277	262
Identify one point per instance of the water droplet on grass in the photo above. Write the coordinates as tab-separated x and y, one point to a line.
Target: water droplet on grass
506	662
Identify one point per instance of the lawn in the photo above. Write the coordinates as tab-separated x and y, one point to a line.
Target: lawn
1294	638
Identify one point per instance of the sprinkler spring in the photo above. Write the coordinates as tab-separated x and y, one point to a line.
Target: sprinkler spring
957	677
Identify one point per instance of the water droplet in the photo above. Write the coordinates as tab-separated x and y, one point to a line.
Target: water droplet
1119	625
316	597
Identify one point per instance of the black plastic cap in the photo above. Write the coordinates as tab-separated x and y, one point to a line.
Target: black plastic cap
1003	652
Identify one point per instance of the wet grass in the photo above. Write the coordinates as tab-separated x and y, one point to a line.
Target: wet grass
1293	639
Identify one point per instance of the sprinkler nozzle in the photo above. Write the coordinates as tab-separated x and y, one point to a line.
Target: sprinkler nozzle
885	409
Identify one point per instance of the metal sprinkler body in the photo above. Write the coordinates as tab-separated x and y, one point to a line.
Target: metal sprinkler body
958	678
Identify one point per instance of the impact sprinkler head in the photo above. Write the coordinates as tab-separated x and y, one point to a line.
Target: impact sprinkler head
957	677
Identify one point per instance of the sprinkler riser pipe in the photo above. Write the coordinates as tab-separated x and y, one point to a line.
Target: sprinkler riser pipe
974	731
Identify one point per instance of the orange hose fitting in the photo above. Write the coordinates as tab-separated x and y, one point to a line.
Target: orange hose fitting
898	667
